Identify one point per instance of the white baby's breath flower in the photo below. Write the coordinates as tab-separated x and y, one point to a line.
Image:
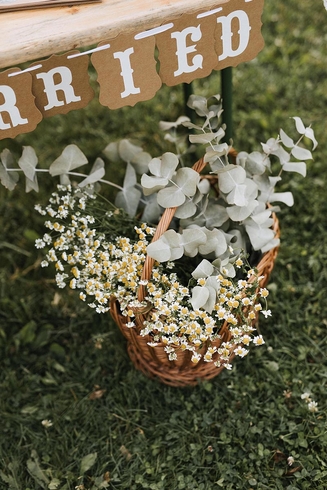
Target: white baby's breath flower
39	209
306	397
39	243
47	423
240	351
266	313
258	340
47	238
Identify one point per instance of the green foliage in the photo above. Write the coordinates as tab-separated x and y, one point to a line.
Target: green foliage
234	432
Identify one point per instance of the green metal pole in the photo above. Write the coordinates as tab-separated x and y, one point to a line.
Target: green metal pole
187	91
227	101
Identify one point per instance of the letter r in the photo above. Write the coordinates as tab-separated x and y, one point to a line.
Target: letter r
10	107
51	88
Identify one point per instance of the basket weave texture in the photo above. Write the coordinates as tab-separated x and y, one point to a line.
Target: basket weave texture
153	361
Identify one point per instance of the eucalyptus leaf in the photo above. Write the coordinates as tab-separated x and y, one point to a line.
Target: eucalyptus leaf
275	242
229	177
286	140
152	210
237	240
141	162
168	247
159	251
31	185
213	282
215	215
187	180
237	195
130	179
64	179
128	199
186	210
199	104
225	267
256	163
299	125
200	295
171	197
28	162
152	184
71	158
262	217
211	300
271	146
202	138
111	152
216	242
8	179
285	197
298	167
166	125
258	235
127	150
240	213
213	154
204	186
7	159
190	125
191	239
301	153
96	173
203	270
165	166
172	238
308	132
184	184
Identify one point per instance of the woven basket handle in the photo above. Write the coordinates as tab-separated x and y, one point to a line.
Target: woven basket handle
163	226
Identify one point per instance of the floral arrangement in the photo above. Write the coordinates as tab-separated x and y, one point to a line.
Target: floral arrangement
203	268
101	268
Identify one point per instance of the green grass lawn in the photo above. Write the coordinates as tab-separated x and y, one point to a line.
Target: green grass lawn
111	427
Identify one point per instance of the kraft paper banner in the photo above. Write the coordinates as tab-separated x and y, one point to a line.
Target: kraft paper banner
127	71
18	113
61	83
187	50
190	47
238	34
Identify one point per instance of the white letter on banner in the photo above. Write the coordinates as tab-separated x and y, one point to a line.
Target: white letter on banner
183	50
51	88
10	107
127	72
244	34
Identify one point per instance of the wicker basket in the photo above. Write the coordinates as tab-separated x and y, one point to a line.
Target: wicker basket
153	361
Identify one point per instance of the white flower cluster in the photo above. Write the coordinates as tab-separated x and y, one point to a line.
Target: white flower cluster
85	260
312	405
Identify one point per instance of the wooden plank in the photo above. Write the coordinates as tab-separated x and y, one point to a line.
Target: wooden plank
33	34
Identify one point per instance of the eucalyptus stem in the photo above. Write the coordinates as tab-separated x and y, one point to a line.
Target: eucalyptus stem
75	174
